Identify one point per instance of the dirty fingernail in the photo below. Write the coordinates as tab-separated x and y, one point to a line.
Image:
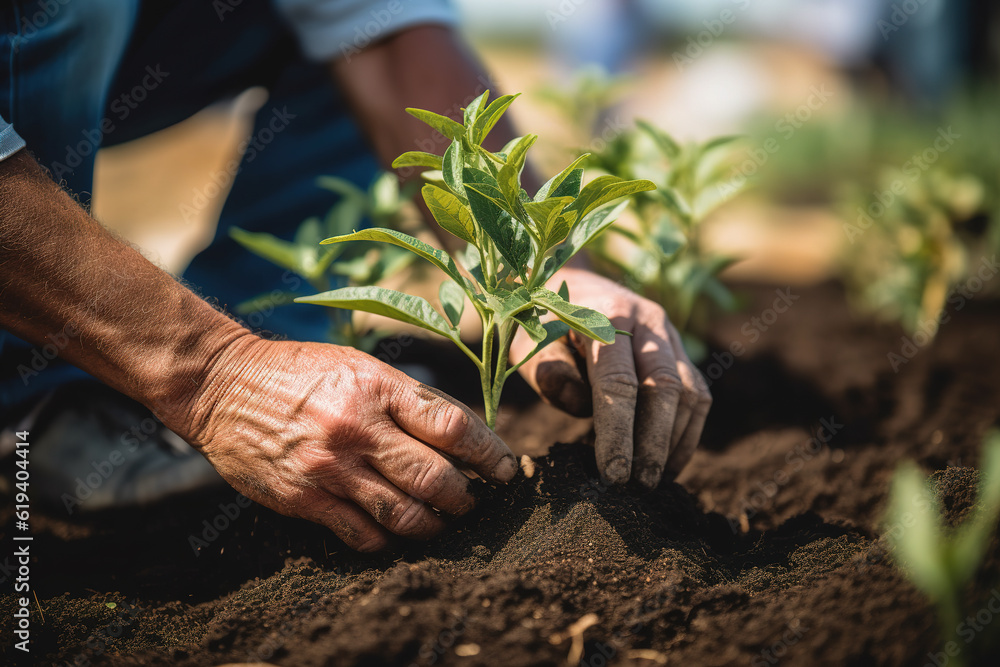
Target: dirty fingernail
617	470
504	471
649	476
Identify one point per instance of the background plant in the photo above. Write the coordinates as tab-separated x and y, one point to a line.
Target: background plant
942	562
321	267
931	237
663	257
516	243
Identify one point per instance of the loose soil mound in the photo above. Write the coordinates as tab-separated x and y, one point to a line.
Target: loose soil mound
736	563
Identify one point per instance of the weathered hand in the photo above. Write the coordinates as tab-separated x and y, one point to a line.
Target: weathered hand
329	434
648	400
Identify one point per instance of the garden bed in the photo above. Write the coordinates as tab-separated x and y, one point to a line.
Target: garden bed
766	551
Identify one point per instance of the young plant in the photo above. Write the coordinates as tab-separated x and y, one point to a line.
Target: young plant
323	268
516	243
938	562
905	262
663	258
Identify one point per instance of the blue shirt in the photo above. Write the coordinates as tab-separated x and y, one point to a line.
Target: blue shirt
326	29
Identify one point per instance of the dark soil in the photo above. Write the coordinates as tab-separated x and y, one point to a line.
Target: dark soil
766	551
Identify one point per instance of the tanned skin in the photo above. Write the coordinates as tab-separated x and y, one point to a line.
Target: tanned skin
320	431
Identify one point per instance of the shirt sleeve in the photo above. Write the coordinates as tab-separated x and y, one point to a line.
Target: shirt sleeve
329	29
10	142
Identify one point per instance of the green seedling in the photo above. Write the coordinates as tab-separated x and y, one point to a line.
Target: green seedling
941	562
663	258
322	268
903	263
918	196
516	243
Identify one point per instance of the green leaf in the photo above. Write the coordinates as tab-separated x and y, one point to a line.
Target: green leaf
436	257
510	237
664	141
264	302
417	159
345	216
557	180
563	291
583	233
719	142
507	304
551	223
509	178
973	537
452	301
343	187
916	536
605	189
584	320
405	308
384	194
570	187
446	126
277	251
531	322
488	118
668	239
550	332
452	166
449	211
474	109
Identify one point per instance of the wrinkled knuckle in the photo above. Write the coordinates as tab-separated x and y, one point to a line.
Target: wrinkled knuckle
619	383
408	517
453	420
370	541
430	482
666	380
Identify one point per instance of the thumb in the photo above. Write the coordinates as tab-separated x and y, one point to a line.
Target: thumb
556	374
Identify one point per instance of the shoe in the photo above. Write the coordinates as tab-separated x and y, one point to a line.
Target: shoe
93	448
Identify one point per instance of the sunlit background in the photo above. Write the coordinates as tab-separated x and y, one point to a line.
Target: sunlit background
868	134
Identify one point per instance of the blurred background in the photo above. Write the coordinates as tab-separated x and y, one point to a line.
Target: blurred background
814	140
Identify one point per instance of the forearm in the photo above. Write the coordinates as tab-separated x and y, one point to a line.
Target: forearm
136	328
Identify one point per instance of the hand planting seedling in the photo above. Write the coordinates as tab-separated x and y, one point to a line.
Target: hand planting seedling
322	268
516	243
664	259
940	563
